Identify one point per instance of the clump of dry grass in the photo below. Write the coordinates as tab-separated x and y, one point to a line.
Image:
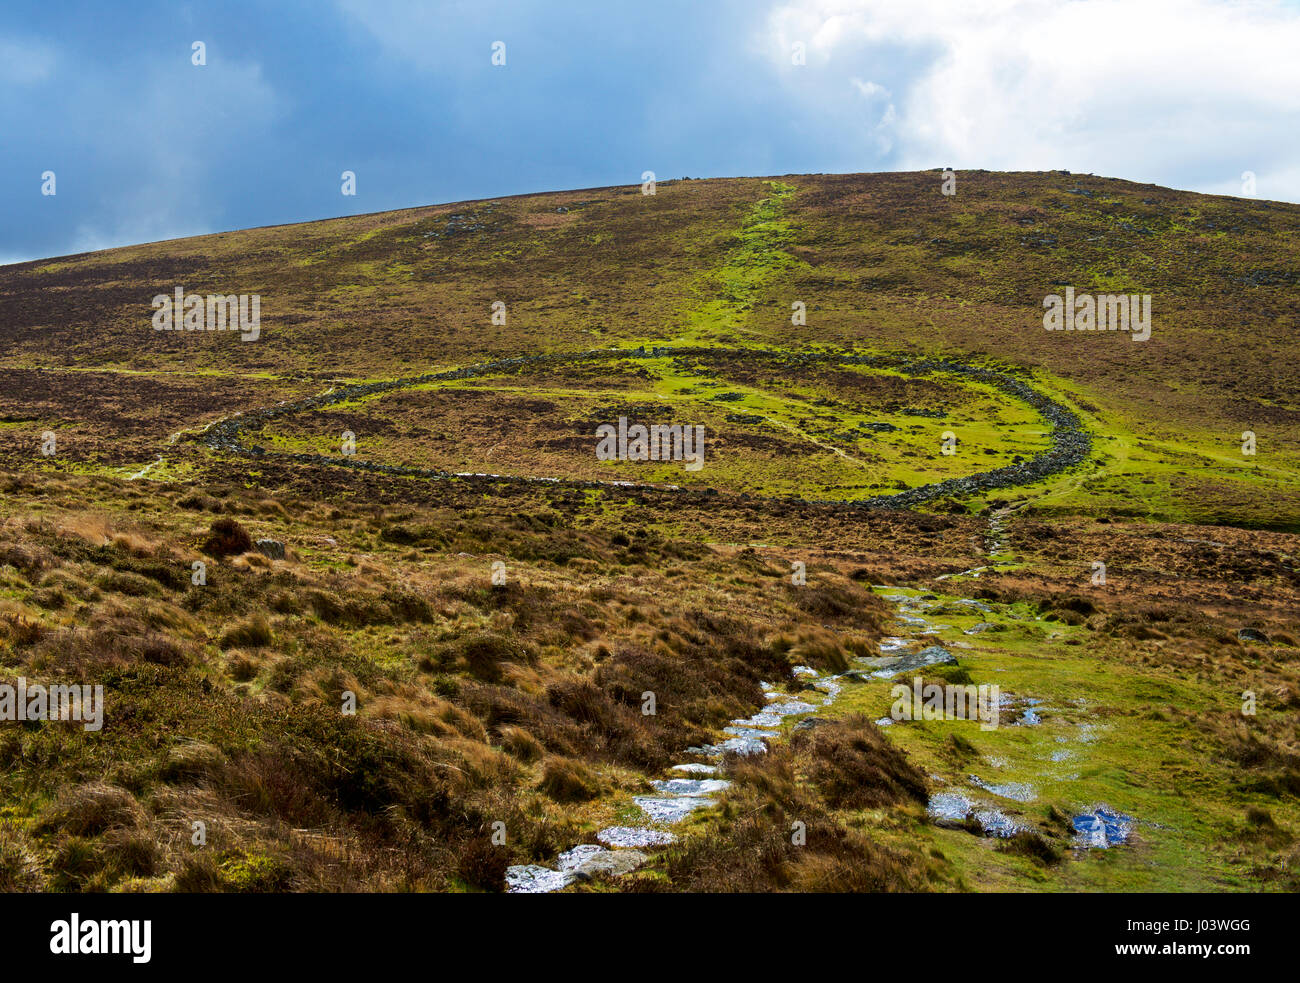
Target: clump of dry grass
91	809
568	780
518	742
253	632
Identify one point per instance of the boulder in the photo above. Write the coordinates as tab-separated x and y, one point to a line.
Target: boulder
272	548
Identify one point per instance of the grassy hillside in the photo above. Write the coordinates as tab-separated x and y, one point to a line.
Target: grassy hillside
471	459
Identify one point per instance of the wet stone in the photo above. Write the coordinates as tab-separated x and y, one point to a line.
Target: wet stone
934	655
611	863
743	746
790	708
532	879
690	786
571	860
635	836
671	810
696	769
995	822
808	723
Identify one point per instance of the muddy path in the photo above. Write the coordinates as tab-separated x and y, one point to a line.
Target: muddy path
1070	442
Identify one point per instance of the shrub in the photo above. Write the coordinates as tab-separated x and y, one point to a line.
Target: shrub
855	766
226	537
1028	843
482	865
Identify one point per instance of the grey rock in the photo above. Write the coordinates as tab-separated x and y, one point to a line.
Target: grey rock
532	879
588	861
635	836
934	655
671	809
808	723
697	769
272	548
690	786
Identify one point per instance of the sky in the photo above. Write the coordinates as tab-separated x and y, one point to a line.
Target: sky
144	144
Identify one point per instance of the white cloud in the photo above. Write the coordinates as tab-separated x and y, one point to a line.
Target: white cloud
1156	90
869	90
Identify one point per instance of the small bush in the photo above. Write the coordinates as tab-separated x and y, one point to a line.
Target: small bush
226	537
856	767
482	865
1028	843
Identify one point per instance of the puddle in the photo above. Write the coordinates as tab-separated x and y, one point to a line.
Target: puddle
1015	791
1100	828
634	836
1029	710
953	808
682	796
950	806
